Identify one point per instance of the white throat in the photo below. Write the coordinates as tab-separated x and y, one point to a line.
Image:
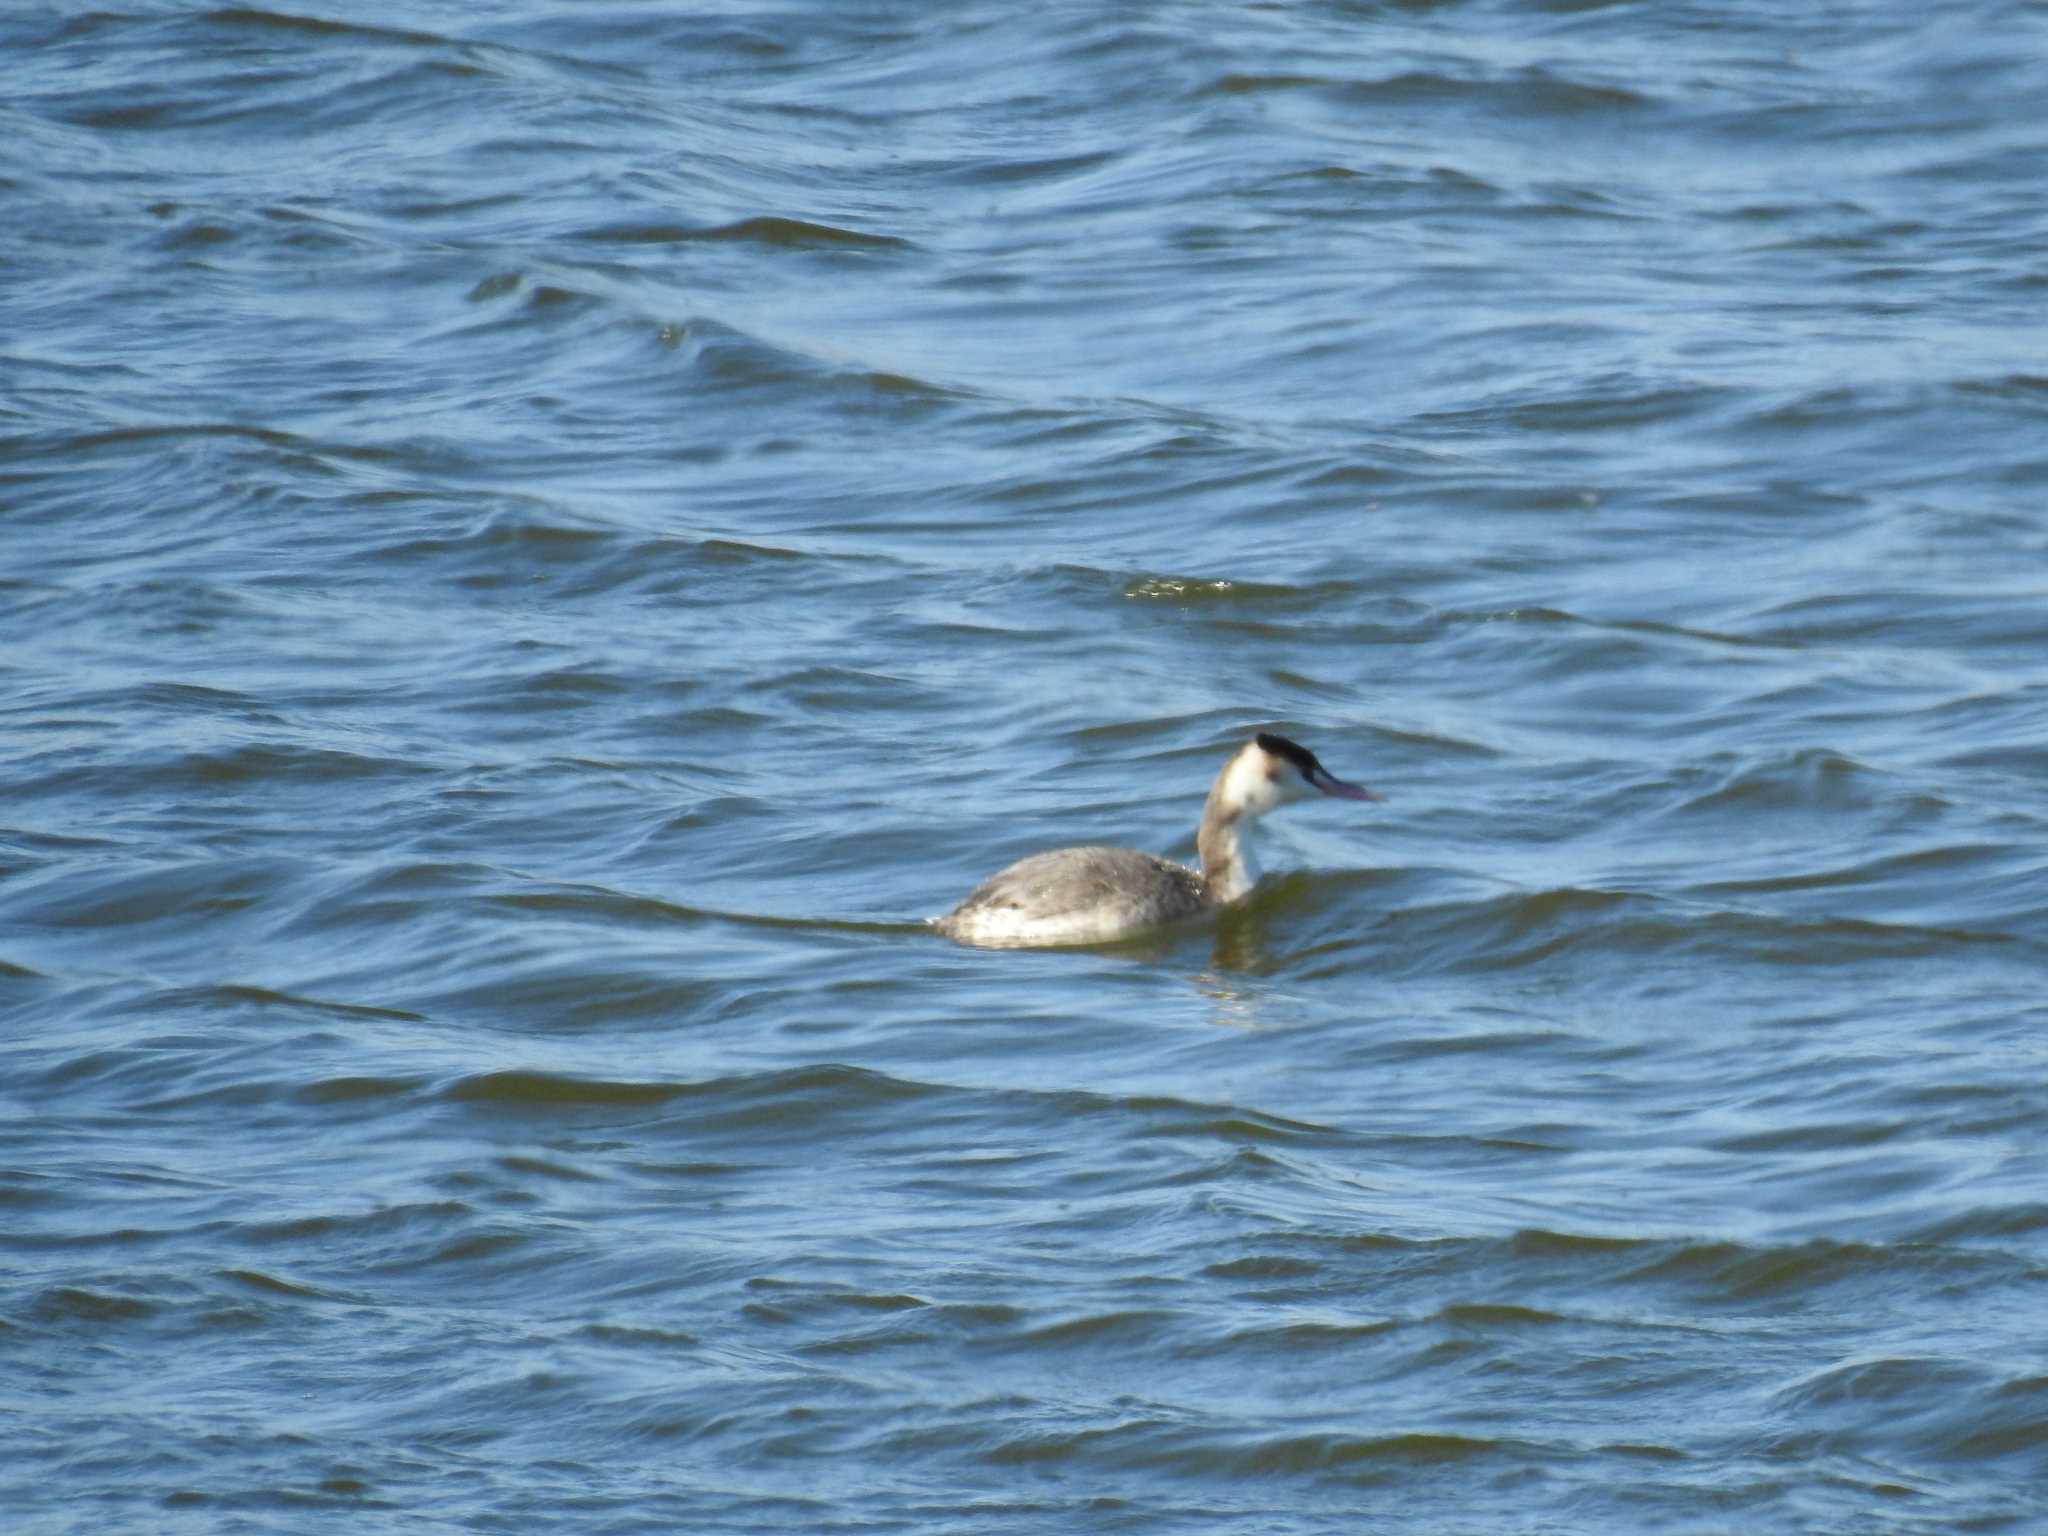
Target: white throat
1227	862
1245	790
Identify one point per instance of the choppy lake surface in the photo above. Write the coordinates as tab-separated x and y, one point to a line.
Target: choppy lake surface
541	543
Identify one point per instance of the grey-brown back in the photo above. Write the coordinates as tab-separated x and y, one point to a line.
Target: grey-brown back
1140	887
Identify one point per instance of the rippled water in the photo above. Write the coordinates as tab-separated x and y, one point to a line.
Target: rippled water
541	543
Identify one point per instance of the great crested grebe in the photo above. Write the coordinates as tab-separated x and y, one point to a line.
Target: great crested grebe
1091	895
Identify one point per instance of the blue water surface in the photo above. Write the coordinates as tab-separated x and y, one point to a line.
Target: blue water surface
539	544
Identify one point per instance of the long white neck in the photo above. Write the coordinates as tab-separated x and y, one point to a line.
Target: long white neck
1228	868
1241	792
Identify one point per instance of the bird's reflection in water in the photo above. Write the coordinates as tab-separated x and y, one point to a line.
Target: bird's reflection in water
1240	941
1237	954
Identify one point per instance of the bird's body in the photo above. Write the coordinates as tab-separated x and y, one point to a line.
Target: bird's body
1076	896
1093	894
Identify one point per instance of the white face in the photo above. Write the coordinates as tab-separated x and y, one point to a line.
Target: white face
1260	782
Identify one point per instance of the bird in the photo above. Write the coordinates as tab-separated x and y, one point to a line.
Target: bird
1096	894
